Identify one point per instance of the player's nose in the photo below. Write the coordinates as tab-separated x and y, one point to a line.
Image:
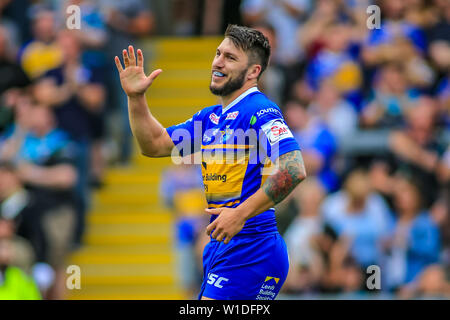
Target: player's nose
218	62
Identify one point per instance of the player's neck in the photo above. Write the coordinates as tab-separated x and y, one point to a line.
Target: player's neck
230	98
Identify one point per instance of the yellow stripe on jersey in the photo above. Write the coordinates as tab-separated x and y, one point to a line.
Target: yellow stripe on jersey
228	204
227	146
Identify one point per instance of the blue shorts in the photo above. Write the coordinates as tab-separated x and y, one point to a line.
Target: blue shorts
252	267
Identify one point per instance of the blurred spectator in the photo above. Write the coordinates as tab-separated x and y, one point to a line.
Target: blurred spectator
433	283
359	217
14	283
15	204
272	82
306	265
285	16
43	52
399	41
181	190
390	98
44	163
339	115
10	28
16	130
20	222
127	22
395	38
415	240
335	62
11	74
317	143
77	95
443	96
185	15
438	36
12	77
415	149
93	33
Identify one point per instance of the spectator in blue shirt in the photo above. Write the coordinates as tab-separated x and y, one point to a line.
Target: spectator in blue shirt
318	144
359	217
181	190
335	62
414	243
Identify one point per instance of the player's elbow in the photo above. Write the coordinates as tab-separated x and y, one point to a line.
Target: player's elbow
301	173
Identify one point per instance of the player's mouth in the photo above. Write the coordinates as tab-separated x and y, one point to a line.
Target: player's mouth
217	75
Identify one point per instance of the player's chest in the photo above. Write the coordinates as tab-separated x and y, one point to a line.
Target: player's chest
221	128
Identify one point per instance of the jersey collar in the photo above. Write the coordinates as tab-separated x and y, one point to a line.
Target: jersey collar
238	99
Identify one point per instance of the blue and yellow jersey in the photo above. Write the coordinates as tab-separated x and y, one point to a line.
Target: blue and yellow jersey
236	147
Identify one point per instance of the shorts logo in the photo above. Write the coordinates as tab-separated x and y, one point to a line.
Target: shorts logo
276	130
232	115
269	278
215	280
267	290
214	118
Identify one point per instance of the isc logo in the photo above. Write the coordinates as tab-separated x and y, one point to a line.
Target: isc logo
215	280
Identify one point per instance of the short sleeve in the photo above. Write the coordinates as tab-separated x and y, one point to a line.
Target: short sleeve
273	132
186	136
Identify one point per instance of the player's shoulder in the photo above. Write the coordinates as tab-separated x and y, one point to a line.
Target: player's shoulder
206	111
260	107
258	104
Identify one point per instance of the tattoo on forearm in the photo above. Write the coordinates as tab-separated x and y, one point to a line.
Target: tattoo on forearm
289	174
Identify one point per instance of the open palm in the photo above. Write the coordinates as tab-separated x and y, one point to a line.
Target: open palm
133	79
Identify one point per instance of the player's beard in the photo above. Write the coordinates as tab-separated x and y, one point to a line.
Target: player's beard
230	86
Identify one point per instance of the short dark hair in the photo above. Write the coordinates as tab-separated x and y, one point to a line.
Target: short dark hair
252	42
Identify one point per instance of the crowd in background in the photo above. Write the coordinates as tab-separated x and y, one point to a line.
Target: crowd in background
369	108
58	92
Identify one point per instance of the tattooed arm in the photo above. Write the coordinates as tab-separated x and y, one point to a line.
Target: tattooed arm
290	171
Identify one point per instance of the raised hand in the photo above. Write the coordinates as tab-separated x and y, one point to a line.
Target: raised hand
133	79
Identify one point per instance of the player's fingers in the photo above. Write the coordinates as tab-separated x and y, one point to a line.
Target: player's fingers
211	227
140	58
213	211
154	74
118	64
216	232
126	60
227	239
221	236
132	56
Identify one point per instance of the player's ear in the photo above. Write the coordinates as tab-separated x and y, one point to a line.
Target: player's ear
254	71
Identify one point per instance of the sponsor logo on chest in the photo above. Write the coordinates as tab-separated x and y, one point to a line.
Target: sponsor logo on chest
214	118
232	115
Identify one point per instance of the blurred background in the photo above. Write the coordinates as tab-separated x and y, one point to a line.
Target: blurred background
369	108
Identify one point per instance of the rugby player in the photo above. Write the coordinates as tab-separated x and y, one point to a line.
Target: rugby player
246	258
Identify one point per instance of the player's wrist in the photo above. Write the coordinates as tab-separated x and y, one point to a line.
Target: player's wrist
136	100
244	211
